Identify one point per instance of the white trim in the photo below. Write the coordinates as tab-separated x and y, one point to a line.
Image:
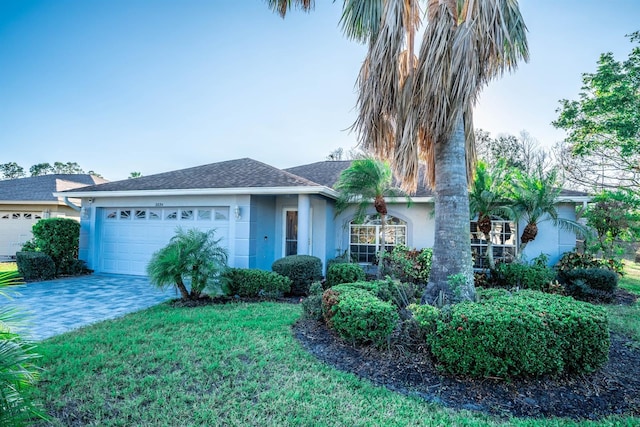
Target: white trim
326	191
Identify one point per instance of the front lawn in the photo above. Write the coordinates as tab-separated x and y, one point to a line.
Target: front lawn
8	266
234	364
626	318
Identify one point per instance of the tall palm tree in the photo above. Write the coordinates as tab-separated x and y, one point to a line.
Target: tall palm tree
418	108
535	197
488	197
364	181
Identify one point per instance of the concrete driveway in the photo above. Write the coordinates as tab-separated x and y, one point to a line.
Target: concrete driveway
60	305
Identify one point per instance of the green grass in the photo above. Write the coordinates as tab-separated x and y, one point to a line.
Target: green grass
626	319
8	266
235	364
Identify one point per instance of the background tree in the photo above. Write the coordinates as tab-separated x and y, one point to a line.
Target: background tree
192	253
365	182
68	168
603	125
615	216
40	169
11	170
522	152
488	198
133	175
415	109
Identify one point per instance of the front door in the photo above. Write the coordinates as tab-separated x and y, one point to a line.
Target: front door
291	232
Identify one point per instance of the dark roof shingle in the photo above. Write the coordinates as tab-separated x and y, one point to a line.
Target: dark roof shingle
41	188
240	173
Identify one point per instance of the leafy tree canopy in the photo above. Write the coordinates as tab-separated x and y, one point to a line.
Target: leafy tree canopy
603	125
11	170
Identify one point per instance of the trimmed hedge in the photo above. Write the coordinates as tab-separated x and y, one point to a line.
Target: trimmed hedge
400	294
523	276
344	273
35	266
358	316
303	270
528	333
253	282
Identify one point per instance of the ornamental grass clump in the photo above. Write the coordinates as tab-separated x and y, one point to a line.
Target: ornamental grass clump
528	333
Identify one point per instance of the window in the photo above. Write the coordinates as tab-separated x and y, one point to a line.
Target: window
186	214
112	214
503	238
140	214
16	216
365	239
204	214
171	215
221	214
125	214
28	216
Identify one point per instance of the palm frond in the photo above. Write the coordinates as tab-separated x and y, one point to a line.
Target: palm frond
281	7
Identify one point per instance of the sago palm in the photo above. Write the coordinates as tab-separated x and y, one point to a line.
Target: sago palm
364	182
488	197
415	109
535	198
18	372
194	254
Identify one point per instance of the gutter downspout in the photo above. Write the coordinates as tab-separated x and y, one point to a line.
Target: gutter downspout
71	205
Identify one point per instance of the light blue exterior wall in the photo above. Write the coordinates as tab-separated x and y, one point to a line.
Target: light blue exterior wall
551	240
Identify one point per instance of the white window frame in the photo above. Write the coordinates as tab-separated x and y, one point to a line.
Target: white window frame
505	242
372	222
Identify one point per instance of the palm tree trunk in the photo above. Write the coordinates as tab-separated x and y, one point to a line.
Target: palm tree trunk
452	246
184	293
383	244
490	260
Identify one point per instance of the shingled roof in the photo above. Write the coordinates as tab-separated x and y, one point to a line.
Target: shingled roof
240	173
41	188
328	172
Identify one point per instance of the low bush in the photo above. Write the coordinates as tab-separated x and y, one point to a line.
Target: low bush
360	317
522	276
526	334
344	273
35	266
253	283
425	316
340	259
592	284
572	260
312	305
301	269
393	291
408	265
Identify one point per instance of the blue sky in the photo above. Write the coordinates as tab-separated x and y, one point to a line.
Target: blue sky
150	86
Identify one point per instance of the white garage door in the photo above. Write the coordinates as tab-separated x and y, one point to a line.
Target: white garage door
129	236
15	229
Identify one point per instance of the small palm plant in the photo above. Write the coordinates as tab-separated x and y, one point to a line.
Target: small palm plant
18	373
365	181
192	254
488	198
535	197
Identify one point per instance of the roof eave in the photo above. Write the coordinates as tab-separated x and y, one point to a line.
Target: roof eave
325	191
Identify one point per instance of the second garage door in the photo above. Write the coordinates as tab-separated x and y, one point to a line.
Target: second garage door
129	236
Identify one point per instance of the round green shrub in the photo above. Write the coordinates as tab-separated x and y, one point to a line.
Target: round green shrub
344	273
601	279
59	238
253	282
400	294
526	334
301	269
361	317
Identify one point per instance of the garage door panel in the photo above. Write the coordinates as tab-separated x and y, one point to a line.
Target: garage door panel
129	240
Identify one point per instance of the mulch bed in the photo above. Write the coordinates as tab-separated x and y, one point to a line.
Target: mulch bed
614	389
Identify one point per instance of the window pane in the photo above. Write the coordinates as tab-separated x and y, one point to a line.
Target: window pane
154	214
112	214
125	214
170	215
204	214
141	214
503	239
222	214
